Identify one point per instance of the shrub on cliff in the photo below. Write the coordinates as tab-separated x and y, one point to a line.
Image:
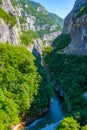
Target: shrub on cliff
24	88
61	41
7	17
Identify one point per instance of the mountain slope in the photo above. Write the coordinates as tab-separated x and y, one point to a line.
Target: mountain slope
34	16
68	64
24	87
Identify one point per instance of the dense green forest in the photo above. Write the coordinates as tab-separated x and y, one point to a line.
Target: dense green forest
28	36
61	41
24	88
70	72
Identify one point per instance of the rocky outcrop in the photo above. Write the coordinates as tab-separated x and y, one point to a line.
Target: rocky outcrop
42	9
36	48
50	37
77	30
38	19
7	6
9	34
68	22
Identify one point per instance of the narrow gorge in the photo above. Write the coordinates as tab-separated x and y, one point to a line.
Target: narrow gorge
43	67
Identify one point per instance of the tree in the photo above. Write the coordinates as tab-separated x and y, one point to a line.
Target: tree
68	124
84	127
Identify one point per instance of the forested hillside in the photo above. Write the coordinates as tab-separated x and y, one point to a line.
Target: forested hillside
24	88
67	61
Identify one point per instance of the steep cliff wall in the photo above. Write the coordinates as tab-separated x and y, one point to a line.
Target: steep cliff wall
8	32
76	24
28	15
68	22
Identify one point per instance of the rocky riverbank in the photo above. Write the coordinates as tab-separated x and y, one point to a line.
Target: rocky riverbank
30	120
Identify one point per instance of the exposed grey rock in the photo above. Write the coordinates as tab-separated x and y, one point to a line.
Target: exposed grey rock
53	27
77	30
38	45
31	22
36	48
8	34
50	37
7	6
34	22
42	9
68	22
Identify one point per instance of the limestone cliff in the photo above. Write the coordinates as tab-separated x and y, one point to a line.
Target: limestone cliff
33	16
36	48
9	33
68	22
76	24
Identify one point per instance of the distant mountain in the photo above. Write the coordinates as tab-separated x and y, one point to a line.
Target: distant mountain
33	16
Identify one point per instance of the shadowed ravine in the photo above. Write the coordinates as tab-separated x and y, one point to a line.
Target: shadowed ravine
54	115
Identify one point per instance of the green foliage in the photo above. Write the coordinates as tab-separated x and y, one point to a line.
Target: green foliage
27	37
42	32
81	12
47	50
47	31
70	72
35	4
61	41
53	17
84	127
14	2
23	86
7	18
41	18
0	1
68	124
57	20
22	20
32	11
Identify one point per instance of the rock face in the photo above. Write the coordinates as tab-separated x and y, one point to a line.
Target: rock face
68	22
38	19
77	30
7	6
9	34
36	48
29	15
50	37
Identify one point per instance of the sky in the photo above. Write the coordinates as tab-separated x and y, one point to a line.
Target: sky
59	7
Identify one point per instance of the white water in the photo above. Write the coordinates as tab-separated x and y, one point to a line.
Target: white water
51	120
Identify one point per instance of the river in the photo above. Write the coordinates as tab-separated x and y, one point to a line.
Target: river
54	115
51	119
